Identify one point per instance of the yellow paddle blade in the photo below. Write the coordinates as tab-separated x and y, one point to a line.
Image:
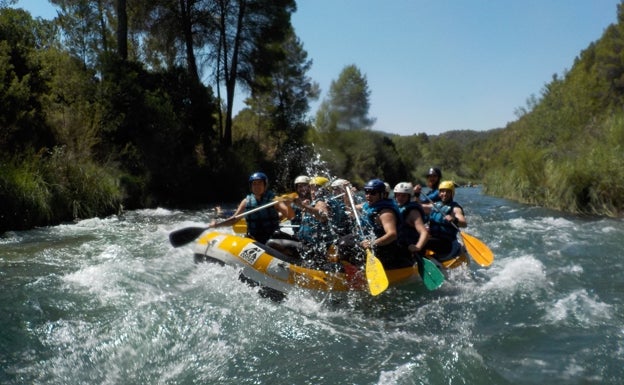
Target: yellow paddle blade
240	227
286	197
375	274
478	250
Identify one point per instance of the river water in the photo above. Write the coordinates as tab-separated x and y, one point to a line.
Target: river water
109	301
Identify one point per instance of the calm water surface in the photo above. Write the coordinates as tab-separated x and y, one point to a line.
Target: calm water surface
109	301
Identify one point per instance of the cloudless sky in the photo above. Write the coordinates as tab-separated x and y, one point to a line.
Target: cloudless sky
439	65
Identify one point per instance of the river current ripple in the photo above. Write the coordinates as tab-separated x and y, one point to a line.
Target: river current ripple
109	301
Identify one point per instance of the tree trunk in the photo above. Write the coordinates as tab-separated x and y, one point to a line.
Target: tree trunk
185	11
230	81
122	30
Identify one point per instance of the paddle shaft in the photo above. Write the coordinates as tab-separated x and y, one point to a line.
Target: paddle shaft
244	214
355	214
375	273
188	234
438	210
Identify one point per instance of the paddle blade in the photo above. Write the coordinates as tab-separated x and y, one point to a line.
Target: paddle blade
478	250
432	276
240	227
375	274
286	197
183	236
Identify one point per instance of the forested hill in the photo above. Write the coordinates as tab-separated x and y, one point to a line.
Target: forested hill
104	109
566	150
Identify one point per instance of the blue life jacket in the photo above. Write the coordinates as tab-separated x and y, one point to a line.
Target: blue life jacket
392	255
296	220
408	234
440	227
263	223
312	231
340	221
433	195
371	212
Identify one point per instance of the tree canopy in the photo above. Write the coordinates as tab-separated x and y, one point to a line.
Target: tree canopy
348	103
119	104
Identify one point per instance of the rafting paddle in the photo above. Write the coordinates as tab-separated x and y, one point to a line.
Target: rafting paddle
432	276
375	273
477	250
188	234
240	227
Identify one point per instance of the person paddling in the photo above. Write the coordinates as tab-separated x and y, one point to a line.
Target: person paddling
414	234
302	188
445	219
434	176
313	236
263	223
340	220
381	217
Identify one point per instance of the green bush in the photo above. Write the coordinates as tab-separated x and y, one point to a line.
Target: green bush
82	189
24	194
38	191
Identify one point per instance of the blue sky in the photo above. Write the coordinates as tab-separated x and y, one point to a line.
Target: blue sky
441	65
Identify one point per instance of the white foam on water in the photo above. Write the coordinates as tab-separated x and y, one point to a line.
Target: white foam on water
104	275
620	339
401	374
542	225
608	230
99	280
10	237
511	274
578	307
140	311
575	270
157	212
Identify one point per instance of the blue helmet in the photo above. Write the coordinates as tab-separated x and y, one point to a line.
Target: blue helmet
375	185
259	176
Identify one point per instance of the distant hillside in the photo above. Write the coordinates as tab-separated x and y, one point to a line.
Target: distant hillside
566	151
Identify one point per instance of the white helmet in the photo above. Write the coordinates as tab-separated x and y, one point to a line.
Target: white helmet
404	188
339	183
387	187
302	179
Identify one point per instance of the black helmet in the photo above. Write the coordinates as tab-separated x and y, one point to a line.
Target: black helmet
434	171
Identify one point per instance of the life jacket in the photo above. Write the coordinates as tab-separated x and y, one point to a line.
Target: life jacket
313	231
431	196
392	255
340	221
262	223
296	220
440	227
371	212
408	234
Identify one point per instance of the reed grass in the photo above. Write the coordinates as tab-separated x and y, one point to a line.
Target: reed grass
588	178
24	194
39	190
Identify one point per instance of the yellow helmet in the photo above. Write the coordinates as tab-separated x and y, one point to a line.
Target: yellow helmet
447	185
320	181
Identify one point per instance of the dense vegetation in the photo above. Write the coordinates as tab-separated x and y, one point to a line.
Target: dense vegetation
118	104
566	149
